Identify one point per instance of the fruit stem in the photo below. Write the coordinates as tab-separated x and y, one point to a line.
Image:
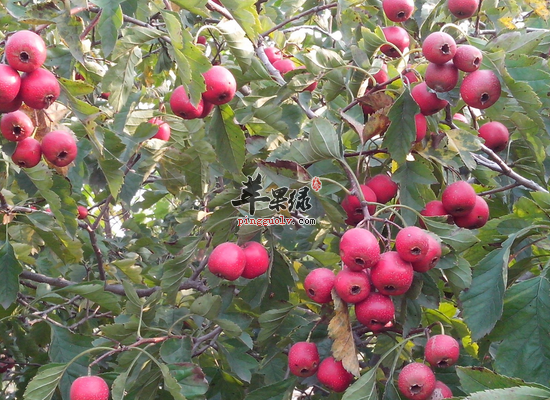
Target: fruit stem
336	183
451	25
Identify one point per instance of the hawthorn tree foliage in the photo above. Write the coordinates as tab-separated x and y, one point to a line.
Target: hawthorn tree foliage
125	293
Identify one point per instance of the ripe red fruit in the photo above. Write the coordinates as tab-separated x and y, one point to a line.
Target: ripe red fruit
480	89
220	85
359	249
432	256
476	218
318	285
375	311
352	286
201	40
25	51
392	275
460	117
439	47
284	65
332	374
463	8
59	148
82	212
495	134
352	205
273	54
412	243
428	101
257	260
435	208
16	126
381	76
441	391
398	10
181	105
10	83
207	109
163	132
458	198
383	187
227	260
442	351
410	77
416	381
105	95
441	77
398	37
303	359
89	388
421	125
39	88
28	153
468	58
14	105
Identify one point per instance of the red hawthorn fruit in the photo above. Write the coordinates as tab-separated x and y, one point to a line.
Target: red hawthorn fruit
59	148
163	132
375	312
257	260
332	374
28	153
352	205
352	286
458	199
303	359
227	261
16	126
25	51
412	243
318	285
432	256
392	275
359	249
39	89
416	381
442	351
383	187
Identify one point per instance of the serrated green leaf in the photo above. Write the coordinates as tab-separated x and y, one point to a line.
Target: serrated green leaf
275	391
241	47
463	143
119	79
43	384
475	379
95	292
245	13
10	268
271	320
515	393
171	384
110	21
228	140
364	388
191	379
207	305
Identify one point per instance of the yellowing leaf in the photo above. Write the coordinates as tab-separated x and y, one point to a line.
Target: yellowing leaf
507	22
540	7
339	330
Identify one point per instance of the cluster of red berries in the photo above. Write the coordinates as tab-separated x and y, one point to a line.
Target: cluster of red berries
304	361
220	89
25	51
461	205
417	381
231	261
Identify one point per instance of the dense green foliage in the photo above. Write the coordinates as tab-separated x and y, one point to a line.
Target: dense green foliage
125	293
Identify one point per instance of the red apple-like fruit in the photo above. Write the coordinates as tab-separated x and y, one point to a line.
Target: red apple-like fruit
227	260
398	10
439	47
432	256
480	89
220	85
411	243
181	104
375	312
441	77
39	89
435	208
421	126
303	359
89	388
11	106
468	58
383	187
273	54
28	153
463	8
201	40
460	117
392	275
25	51
257	260
352	286
82	212
352	205
428	101
59	148
284	65
458	198
442	351
477	217
411	76
441	391
318	285
416	381
207	109
495	135
332	374
397	36
10	83
359	249
16	126
163	132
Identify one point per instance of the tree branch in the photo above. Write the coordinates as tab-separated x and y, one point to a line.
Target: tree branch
313	10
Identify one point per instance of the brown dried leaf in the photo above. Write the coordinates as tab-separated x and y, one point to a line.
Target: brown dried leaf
7	219
377	124
339	330
356	125
376	100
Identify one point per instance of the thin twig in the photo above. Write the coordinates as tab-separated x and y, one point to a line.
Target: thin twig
313	10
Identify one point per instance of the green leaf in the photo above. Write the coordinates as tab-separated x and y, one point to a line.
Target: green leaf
228	140
134	37
275	391
515	393
191	379
43	384
119	79
70	27
324	140
364	388
475	379
241	47
175	269
401	133
194	6
113	173
239	361
95	292
463	143
10	268
270	321
524	330
109	23
244	12
175	351
207	305
171	384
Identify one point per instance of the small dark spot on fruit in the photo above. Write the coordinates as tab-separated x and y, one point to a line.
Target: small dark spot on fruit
389	288
416	389
445	49
355	289
304	371
359	261
401	14
311	291
17	130
484	98
62	154
416	251
443	363
24	56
